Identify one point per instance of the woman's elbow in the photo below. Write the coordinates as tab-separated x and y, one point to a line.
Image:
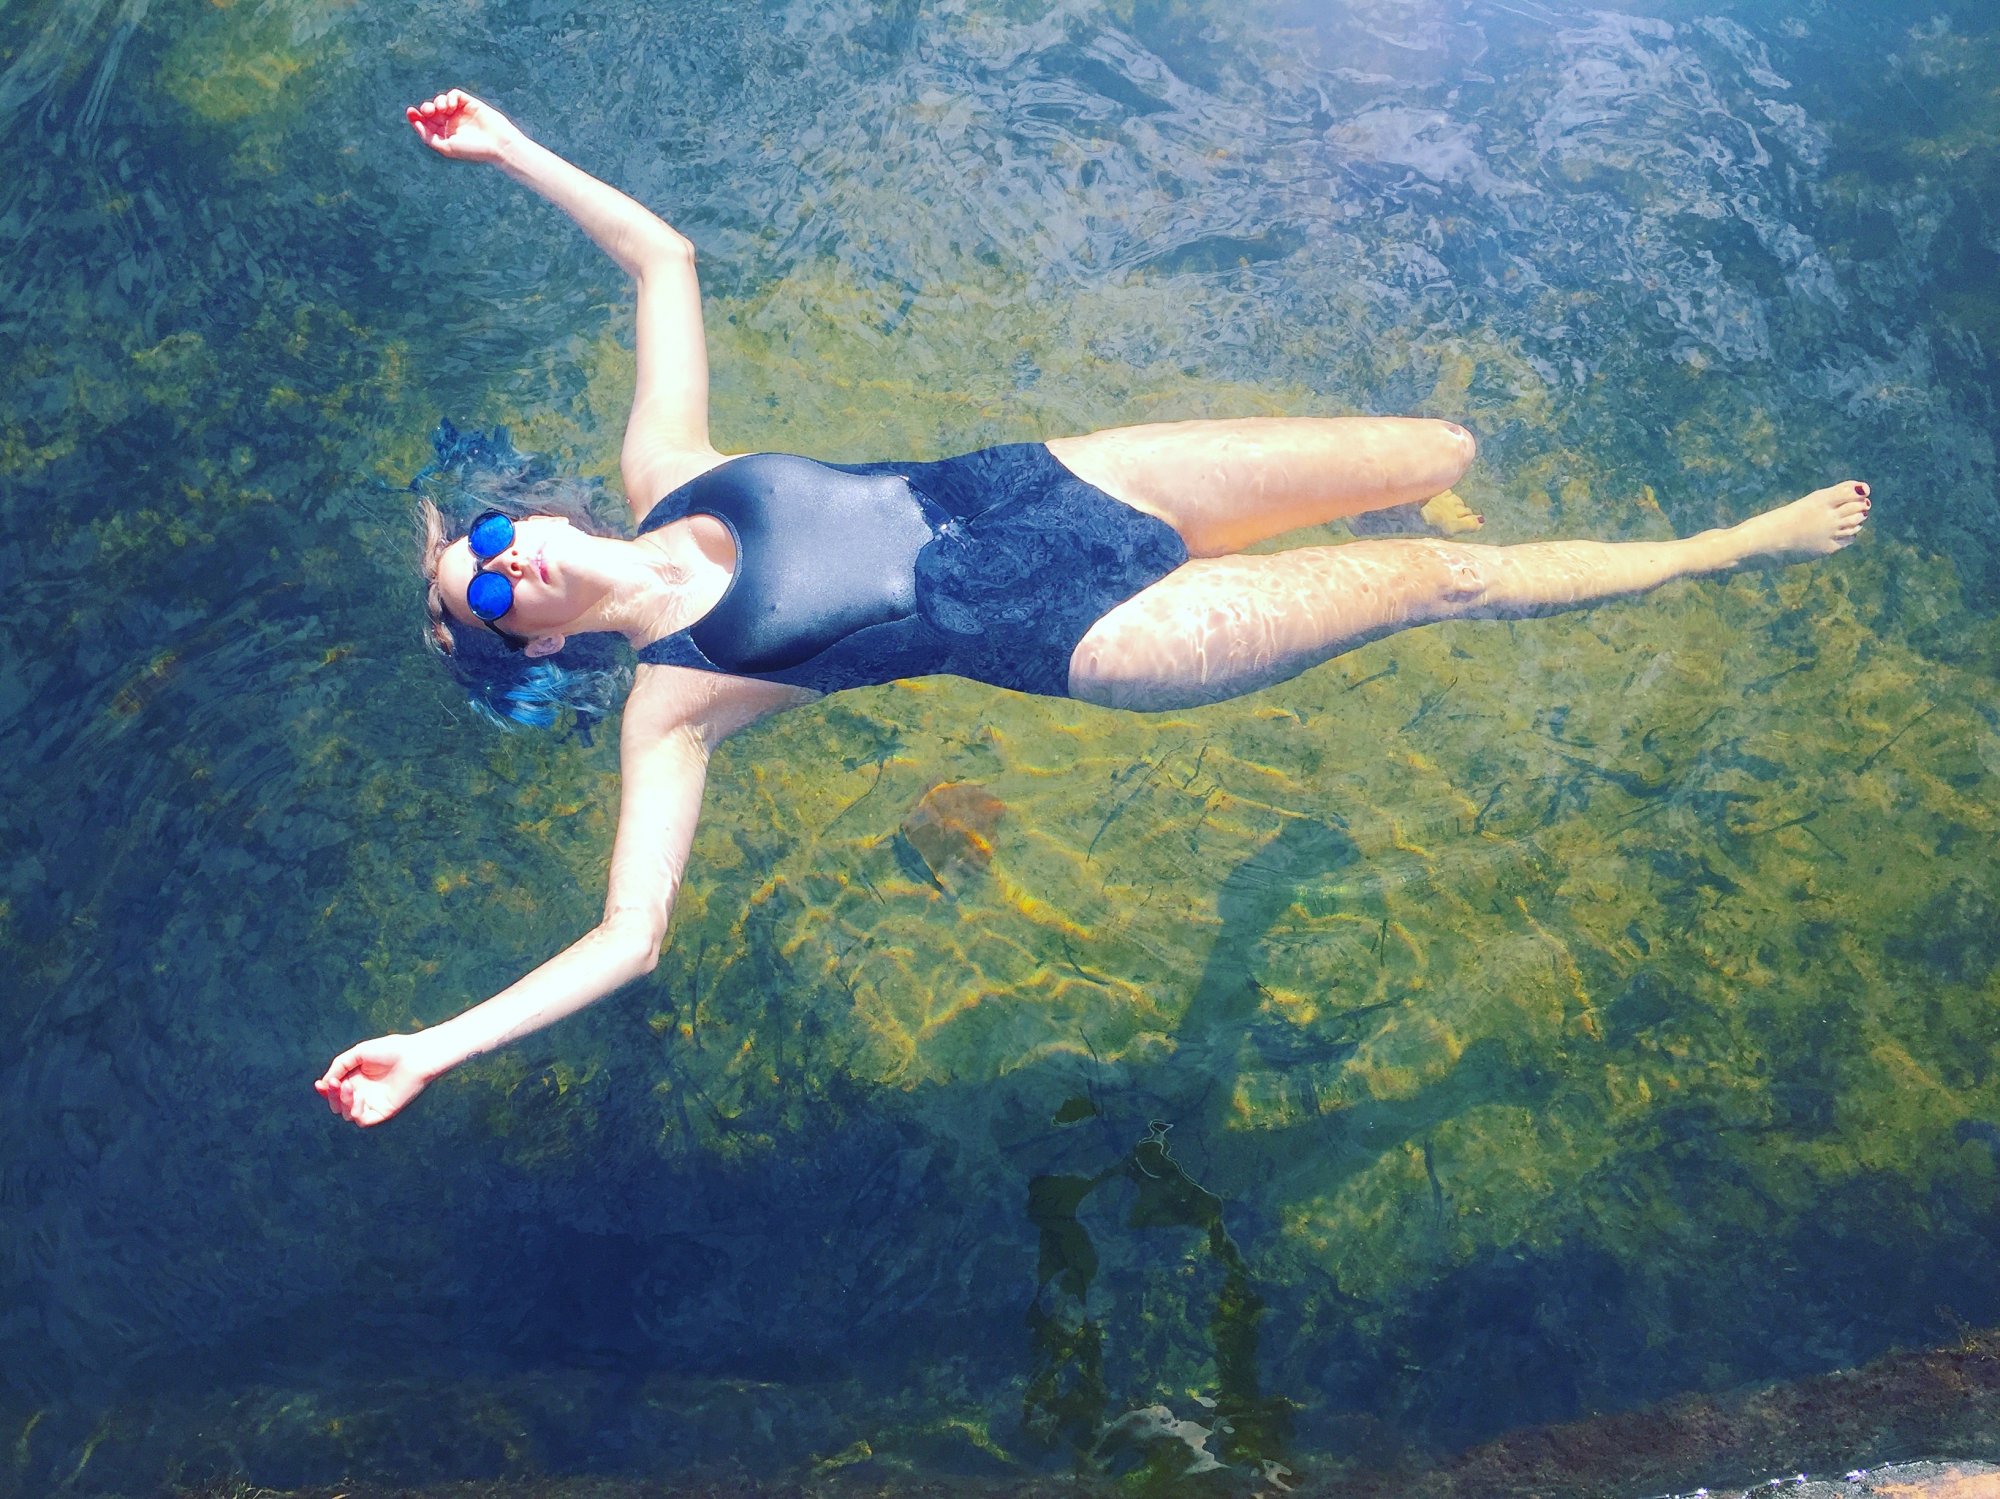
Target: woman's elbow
642	949
635	942
665	249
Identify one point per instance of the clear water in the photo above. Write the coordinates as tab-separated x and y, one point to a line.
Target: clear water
1504	1024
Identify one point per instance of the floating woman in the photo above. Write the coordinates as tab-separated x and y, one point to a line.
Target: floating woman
1107	568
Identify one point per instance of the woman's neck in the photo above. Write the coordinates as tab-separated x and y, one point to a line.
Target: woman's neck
664	581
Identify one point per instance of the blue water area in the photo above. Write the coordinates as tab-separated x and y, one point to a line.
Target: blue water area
1503	1025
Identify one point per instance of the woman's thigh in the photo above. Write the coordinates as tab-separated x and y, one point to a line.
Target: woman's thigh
1220	626
1226	484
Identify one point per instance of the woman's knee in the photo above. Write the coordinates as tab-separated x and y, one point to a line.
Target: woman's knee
1418	454
1458	446
1449	577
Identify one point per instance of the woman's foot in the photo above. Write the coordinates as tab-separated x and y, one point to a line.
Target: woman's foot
1448	515
1441	515
1817	526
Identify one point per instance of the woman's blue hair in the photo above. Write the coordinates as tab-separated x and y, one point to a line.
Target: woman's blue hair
476	471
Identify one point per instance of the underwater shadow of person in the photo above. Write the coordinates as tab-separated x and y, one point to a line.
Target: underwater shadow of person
1067	1400
1225	1031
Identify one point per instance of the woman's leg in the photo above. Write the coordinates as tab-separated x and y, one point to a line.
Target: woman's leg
1226	484
1226	625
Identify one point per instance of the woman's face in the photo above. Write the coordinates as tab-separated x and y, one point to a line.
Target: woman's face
541	564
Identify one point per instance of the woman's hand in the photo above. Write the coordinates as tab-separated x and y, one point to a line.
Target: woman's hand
371	1082
457	125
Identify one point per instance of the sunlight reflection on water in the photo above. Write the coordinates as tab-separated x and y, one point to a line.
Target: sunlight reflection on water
1559	1016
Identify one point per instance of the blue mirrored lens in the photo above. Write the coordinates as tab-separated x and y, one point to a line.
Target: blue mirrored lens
490	535
489	596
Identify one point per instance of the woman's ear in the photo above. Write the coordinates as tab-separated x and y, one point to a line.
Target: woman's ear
546	645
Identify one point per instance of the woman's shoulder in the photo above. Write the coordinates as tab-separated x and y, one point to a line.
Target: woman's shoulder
666	698
668	480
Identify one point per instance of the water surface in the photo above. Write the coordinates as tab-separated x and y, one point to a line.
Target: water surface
1505	1023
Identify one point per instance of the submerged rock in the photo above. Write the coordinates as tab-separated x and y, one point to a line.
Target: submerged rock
950	831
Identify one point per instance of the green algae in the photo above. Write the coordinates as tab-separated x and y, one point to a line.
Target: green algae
1647	950
1578	913
238	62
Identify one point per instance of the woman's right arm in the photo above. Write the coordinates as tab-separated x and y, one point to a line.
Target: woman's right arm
671	723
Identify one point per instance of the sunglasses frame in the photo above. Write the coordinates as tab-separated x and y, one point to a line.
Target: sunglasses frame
513	642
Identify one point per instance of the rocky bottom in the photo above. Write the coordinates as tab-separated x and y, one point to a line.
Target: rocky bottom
1802	1440
1918	1480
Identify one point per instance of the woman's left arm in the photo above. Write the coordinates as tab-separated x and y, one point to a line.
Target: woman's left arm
666	436
666	439
462	128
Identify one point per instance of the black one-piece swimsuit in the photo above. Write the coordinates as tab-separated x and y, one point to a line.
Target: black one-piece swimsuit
990	566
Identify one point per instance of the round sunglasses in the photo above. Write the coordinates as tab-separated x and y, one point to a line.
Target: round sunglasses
491	595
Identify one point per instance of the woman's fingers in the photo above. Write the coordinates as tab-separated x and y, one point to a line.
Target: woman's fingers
451	123
361	1101
343	1064
449	102
339	1086
366	1108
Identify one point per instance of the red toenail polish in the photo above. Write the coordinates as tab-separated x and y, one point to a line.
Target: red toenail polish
1861	489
